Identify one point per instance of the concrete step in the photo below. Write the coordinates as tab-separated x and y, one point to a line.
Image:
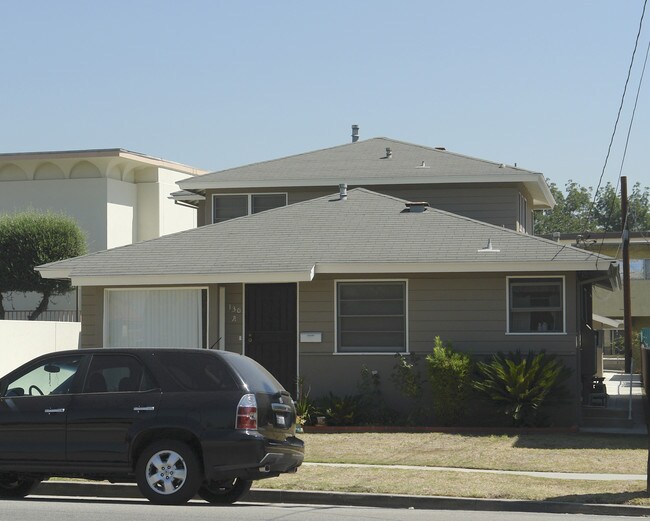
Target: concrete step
607	423
604	412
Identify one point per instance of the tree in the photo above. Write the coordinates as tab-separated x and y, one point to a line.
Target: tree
28	240
578	211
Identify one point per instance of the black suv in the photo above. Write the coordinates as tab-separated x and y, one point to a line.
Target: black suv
177	421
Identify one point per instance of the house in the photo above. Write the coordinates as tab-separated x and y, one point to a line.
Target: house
117	196
483	190
324	284
608	305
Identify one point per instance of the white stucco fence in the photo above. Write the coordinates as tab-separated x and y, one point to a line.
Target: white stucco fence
22	340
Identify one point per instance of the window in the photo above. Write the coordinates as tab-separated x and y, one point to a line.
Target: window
175	317
53	376
639	269
117	373
523	214
229	206
198	372
371	317
536	305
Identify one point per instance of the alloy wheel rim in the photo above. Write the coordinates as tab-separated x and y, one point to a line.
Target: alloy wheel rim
166	472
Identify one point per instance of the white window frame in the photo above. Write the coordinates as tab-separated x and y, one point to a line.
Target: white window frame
373	353
249	203
199	289
522	225
536	277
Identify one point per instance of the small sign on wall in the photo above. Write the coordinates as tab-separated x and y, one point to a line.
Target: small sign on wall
311	336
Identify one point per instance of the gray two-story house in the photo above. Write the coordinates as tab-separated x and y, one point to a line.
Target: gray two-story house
325	262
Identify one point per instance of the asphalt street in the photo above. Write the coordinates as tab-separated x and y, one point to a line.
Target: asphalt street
78	509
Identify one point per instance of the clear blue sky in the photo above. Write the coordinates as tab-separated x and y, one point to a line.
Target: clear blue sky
217	84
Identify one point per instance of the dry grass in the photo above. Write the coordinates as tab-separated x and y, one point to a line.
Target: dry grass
530	452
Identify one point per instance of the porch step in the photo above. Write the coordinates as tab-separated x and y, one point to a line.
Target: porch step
603	412
606	418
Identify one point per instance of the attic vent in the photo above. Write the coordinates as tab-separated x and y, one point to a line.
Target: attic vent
488	248
389	153
423	165
417	207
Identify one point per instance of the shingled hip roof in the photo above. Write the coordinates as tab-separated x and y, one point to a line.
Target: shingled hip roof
365	233
373	162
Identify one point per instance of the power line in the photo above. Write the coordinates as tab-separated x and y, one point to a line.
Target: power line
618	115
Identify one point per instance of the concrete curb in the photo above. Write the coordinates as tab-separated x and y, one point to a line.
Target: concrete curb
129	491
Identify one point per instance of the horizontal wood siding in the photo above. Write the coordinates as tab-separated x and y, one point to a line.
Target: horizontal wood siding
469	311
92	312
488	203
234	317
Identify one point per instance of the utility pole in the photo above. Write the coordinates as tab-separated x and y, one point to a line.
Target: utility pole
627	300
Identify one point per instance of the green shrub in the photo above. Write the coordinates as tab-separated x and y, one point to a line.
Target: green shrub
521	385
450	378
305	409
408	381
372	406
339	410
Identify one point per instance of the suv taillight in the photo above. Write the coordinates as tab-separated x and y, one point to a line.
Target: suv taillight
247	413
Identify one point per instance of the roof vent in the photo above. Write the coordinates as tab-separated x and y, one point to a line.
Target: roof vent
417	206
441	148
502	165
355	133
389	153
488	248
343	192
423	165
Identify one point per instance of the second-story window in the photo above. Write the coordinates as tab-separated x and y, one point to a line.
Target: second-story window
229	206
523	214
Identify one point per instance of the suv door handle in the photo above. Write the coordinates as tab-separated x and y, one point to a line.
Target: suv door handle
141	409
51	411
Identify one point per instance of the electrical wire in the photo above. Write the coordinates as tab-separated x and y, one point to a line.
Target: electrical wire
618	116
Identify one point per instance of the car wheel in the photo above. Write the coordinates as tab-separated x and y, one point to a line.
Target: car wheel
14	486
168	473
225	492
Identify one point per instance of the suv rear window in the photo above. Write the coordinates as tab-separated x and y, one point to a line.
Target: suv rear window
258	379
198	371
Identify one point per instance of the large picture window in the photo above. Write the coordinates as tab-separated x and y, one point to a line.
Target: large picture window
174	317
371	317
229	206
536	305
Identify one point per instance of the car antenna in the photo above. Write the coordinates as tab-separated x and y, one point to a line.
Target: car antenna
215	342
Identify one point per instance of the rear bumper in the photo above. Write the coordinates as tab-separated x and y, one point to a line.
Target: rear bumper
248	455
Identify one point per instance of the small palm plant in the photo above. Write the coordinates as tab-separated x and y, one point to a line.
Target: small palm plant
520	384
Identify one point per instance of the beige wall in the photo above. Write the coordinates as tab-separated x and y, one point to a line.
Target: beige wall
22	340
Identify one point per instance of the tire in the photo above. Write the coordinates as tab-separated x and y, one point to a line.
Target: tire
225	492
15	487
168	472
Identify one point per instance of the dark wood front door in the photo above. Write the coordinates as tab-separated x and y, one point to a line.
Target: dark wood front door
271	330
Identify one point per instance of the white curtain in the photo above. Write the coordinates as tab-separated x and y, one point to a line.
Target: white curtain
153	318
